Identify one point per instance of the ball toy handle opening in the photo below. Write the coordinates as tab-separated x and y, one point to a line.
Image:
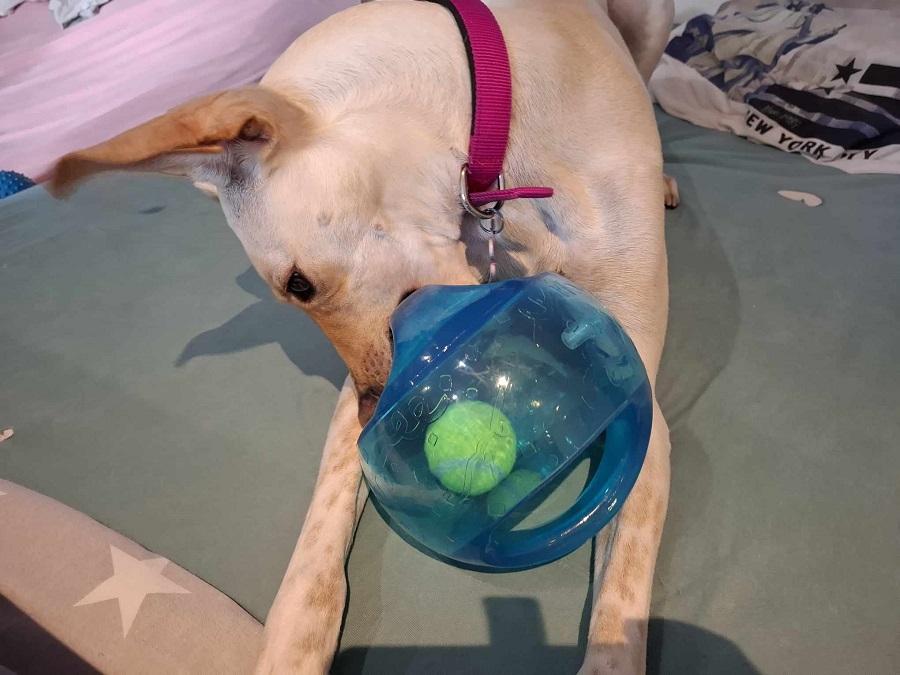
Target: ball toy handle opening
598	503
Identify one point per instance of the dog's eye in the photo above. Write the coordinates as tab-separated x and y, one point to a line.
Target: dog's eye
300	287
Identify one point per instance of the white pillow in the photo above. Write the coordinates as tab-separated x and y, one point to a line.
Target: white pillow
66	11
6	6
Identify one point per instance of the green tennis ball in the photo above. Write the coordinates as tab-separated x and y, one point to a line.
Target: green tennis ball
470	448
511	491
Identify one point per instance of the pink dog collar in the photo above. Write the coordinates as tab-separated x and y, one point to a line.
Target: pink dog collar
491	106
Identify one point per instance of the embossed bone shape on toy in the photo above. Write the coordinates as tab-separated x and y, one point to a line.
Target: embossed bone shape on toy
601	332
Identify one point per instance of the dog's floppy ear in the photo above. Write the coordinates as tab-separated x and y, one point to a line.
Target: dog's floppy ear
183	139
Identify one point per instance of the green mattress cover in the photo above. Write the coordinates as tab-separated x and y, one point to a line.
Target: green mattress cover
155	384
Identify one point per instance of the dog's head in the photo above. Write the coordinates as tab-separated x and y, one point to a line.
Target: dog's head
342	217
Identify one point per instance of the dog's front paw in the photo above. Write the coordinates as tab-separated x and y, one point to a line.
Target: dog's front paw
292	664
309	653
613	659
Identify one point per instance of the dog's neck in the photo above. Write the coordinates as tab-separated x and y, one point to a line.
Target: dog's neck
324	70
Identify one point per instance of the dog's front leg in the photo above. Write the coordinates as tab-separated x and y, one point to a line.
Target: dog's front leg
302	628
624	562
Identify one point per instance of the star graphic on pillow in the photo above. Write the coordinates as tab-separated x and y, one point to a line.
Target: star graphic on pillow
131	582
846	71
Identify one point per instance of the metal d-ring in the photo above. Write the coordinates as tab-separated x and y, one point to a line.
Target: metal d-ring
495	224
482	214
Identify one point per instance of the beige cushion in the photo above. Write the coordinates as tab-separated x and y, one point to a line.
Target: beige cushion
101	598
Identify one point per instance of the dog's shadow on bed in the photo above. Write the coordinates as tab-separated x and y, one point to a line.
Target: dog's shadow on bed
265	322
704	323
518	644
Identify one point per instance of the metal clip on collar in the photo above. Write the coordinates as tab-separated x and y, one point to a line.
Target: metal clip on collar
485	213
489	219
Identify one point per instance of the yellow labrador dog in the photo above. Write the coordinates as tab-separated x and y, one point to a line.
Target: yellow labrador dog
339	174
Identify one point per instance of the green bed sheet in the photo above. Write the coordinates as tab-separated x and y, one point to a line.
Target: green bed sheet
154	384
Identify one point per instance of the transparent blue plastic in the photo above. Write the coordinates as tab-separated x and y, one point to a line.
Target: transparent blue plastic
570	382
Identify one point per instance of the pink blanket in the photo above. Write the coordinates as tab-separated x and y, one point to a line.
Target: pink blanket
67	89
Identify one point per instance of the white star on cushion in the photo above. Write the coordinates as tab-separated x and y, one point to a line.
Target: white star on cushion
131	582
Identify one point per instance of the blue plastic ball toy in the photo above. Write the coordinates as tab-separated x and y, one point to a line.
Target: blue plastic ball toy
497	393
12	182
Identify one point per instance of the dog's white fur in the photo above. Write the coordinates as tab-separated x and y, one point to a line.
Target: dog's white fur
343	165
